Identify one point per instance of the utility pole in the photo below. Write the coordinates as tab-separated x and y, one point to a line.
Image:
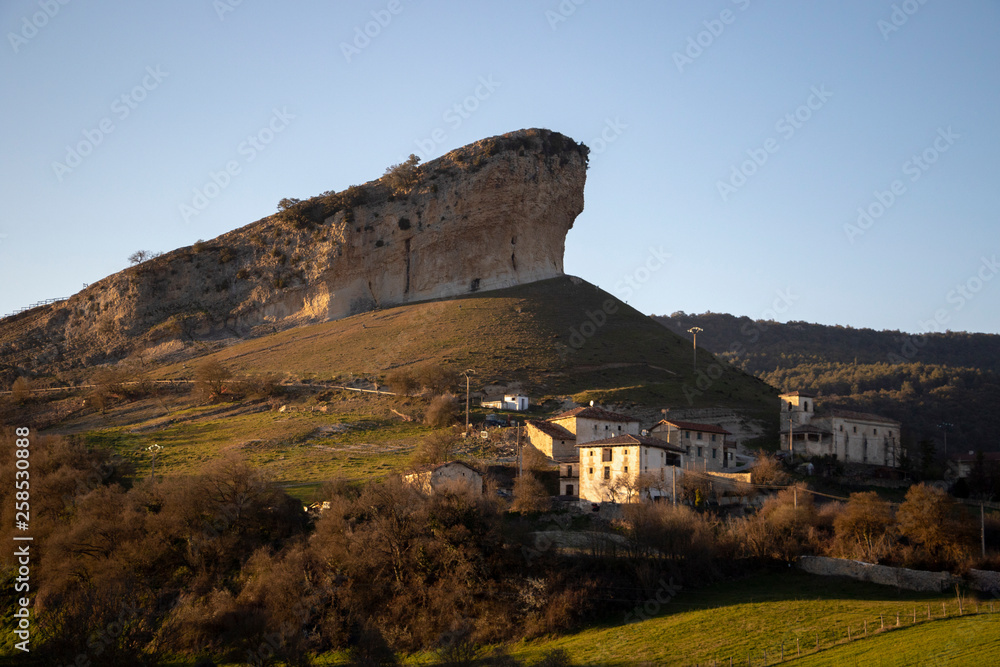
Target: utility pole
673	484
945	426
982	526
694	344
466	374
519	462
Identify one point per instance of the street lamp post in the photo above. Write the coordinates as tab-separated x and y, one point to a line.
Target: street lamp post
945	426
694	344
153	448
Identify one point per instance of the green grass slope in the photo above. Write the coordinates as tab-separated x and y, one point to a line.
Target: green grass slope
746	618
556	337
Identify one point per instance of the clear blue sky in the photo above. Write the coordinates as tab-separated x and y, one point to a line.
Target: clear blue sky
782	230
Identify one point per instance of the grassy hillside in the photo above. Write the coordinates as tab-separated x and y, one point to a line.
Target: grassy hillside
922	381
748	617
553	338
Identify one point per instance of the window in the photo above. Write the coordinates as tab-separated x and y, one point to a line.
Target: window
713	437
700	452
805	405
569	471
591	472
789	406
605	427
687	450
626	468
875	432
699	435
569	489
606	454
591	451
855	429
714	453
607	472
687	434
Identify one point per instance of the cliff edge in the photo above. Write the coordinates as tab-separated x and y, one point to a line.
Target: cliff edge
489	215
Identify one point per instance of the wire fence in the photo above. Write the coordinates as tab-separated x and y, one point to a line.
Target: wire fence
816	640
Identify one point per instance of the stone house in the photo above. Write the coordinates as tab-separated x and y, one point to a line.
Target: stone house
609	469
555	441
594	423
852	437
448	476
705	445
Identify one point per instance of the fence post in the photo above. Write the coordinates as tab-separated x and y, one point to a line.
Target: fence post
798	648
897	619
882	621
928	611
944	610
866	627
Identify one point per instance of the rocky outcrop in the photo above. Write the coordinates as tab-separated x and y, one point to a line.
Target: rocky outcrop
489	215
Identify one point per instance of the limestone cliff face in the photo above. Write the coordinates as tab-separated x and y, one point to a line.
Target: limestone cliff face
489	215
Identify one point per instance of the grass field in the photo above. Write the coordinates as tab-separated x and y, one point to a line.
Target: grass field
746	618
743	619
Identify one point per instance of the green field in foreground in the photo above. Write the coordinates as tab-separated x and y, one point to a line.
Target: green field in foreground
745	618
741	619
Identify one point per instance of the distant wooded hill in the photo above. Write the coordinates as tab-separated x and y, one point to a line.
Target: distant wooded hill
923	381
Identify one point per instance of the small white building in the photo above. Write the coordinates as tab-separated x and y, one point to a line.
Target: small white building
448	476
516	402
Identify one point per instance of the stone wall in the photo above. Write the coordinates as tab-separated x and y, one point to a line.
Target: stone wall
911	580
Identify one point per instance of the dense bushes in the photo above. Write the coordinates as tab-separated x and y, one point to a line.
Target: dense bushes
226	564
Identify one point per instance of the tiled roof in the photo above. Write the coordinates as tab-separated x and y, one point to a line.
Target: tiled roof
858	416
592	412
552	430
435	466
631	441
692	426
802	394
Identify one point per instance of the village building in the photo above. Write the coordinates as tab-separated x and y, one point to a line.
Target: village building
851	437
623	468
555	441
593	423
705	445
515	402
448	476
960	466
